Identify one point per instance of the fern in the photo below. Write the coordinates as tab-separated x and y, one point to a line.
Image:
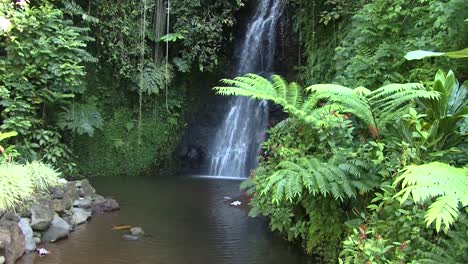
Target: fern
436	180
375	108
82	119
337	177
450	249
154	78
72	8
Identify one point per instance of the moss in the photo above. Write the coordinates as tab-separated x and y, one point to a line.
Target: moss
115	149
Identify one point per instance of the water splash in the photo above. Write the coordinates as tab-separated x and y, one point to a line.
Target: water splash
237	143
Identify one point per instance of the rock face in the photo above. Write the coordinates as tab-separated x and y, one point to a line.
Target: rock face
80	216
105	205
58	229
41	217
29	243
12	241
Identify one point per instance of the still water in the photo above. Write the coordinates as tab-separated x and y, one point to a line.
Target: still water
185	220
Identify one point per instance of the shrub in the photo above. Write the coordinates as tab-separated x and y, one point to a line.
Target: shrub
15	185
42	176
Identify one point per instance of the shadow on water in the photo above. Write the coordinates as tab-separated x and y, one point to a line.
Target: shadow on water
186	221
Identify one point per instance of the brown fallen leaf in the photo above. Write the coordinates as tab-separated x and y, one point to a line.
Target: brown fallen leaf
121	227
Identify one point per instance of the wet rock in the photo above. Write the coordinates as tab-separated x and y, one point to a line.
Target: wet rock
137	231
29	243
87	189
84	203
62	181
57	205
70	191
57	192
11	216
106	205
58	229
131	237
79	216
41	217
12	241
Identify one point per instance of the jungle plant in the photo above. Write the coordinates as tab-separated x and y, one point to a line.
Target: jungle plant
445	115
15	185
375	108
42	176
42	69
449	185
6	153
340	178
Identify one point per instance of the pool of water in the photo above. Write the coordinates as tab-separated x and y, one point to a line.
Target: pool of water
186	221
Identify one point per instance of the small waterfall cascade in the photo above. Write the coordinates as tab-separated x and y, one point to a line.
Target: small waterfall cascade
237	143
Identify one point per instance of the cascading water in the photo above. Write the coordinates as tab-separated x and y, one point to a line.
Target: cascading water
235	148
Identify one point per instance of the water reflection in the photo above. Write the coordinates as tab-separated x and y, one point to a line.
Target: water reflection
186	221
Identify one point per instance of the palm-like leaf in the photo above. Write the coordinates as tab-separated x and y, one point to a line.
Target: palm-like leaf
376	108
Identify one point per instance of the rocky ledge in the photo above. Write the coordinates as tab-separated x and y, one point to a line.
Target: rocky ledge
51	217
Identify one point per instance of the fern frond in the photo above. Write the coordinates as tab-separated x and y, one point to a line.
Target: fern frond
436	180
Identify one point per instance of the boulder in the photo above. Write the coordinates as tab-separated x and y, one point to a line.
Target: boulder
12	241
58	229
79	216
84	203
11	216
41	217
29	243
57	192
57	205
137	231
70	191
105	205
86	189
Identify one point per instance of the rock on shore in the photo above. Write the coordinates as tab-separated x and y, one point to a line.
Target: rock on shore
51	217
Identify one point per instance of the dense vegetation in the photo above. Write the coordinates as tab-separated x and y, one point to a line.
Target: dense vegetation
372	156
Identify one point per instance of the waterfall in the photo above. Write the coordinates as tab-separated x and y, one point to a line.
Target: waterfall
237	143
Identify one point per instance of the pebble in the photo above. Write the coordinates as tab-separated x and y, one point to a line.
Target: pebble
37	240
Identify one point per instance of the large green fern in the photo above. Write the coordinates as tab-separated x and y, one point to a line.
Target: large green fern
375	108
338	177
449	185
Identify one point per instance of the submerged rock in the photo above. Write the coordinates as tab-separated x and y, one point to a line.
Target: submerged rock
29	243
58	229
131	237
80	216
137	231
12	241
41	217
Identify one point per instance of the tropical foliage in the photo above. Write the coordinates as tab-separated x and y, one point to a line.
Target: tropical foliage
313	156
